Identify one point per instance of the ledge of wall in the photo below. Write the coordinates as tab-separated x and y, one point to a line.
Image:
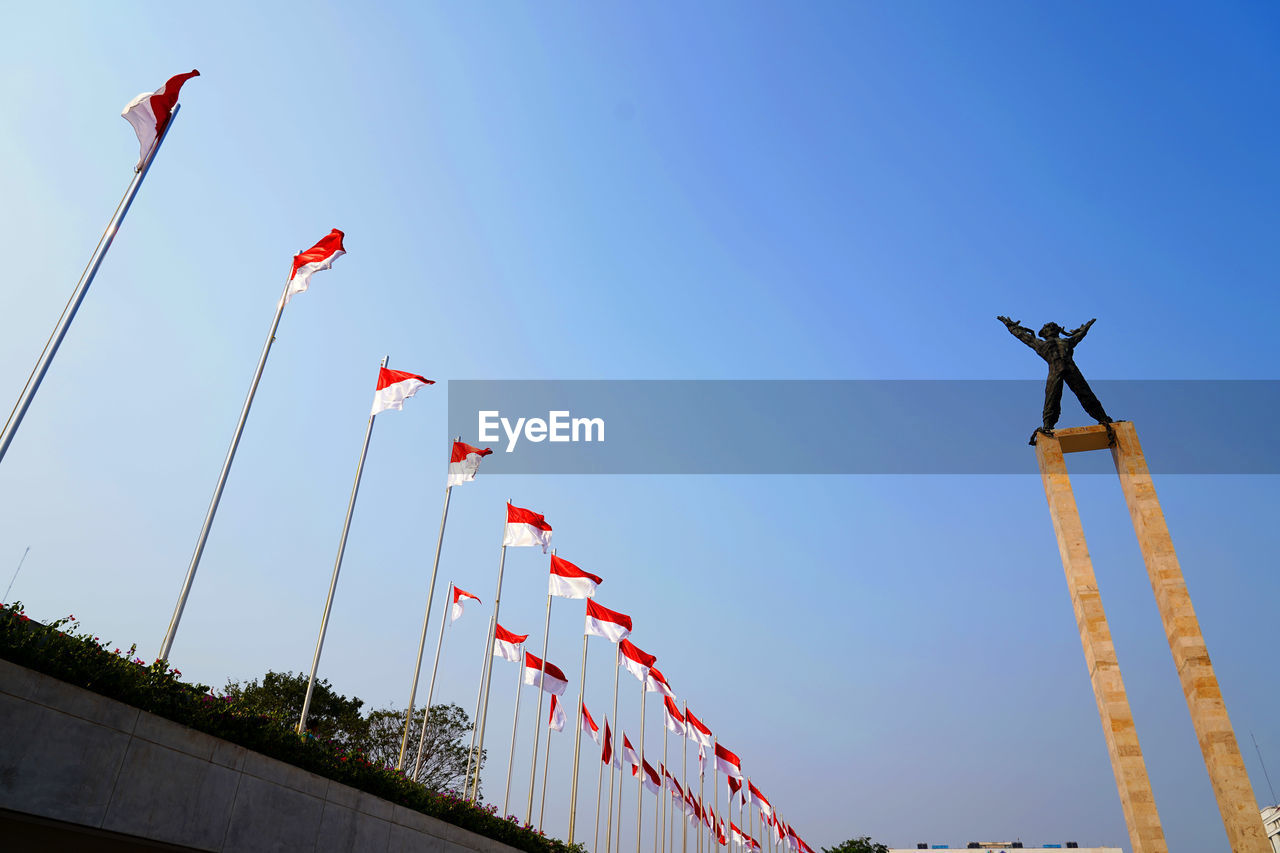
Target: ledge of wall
73	756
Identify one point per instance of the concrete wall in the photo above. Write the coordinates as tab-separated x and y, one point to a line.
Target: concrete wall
70	756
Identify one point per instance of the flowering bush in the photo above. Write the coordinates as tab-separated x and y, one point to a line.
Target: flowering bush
61	650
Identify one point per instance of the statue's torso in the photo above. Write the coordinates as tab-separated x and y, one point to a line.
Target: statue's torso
1056	351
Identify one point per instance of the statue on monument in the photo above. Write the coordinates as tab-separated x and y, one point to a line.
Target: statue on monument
1057	349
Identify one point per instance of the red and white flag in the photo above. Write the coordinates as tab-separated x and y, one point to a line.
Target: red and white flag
651	780
608	754
459	595
702	759
735	788
629	753
634	660
149	113
603	622
696	731
319	257
506	645
674	719
589	725
754	796
728	763
569	581
464	462
548	676
690	806
793	840
778	829
721	838
737	836
526	527
556	721
394	387
655	683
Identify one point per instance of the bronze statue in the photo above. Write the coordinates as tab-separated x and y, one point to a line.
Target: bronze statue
1057	349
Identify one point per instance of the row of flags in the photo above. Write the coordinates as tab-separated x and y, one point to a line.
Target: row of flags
151	115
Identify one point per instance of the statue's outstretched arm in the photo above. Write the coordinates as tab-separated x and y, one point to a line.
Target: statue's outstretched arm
1019	331
1077	335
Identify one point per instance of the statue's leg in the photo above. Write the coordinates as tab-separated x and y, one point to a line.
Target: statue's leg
1088	401
1052	398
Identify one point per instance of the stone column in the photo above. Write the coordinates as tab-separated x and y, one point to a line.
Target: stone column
1145	832
1222	757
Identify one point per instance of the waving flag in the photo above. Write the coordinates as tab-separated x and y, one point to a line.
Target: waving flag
629	753
635	661
459	595
737	836
394	387
526	527
589	725
556	720
674	719
569	581
655	683
545	675
608	754
506	645
464	463
149	113
702	758
603	622
319	257
754	796
697	731
728	763
652	783
721	839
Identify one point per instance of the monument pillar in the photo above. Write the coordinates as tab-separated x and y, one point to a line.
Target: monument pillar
1136	800
1217	738
1222	758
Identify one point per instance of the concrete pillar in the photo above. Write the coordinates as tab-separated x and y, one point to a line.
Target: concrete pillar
1222	757
1145	832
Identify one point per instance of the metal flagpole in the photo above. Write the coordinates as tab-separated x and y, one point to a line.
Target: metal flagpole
617	743
546	760
617	830
475	719
684	778
664	788
426	617
577	743
599	789
337	566
38	372
497	597
640	776
715	779
515	720
537	731
431	685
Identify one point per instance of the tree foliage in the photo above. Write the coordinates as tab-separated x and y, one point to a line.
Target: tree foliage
377	734
857	845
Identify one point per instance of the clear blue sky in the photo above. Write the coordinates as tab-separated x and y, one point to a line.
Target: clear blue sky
724	190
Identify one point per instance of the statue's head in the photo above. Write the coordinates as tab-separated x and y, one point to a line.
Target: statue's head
1050	330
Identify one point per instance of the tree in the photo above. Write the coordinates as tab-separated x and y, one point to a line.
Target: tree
444	762
280	695
857	845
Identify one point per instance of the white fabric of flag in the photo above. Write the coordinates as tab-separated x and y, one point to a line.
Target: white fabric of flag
525	528
455	609
556	720
394	387
506	645
464	463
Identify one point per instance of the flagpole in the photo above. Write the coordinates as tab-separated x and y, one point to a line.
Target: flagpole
431	685
537	733
546	761
515	720
684	778
640	777
608	832
475	719
51	346
497	597
664	788
577	743
426	617
715	774
599	789
337	566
